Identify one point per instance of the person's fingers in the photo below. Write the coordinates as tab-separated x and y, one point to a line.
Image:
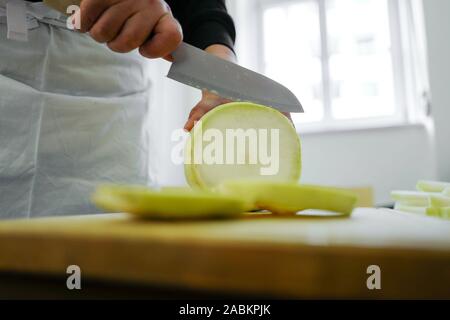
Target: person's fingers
168	58
167	36
90	11
191	122
108	26
134	33
189	125
193	118
194	110
288	115
128	24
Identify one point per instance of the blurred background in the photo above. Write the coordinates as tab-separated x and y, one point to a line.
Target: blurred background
373	76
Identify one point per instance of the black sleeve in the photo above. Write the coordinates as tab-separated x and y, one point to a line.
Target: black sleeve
204	22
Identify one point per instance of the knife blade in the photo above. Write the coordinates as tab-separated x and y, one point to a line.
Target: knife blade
204	71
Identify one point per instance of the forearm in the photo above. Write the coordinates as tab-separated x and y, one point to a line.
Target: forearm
222	51
205	23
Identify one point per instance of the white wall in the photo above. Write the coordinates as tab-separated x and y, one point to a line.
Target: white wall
437	19
385	159
171	103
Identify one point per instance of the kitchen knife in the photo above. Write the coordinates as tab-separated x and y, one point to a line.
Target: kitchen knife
201	70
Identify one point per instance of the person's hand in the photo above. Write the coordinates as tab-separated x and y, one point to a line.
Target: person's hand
125	25
208	102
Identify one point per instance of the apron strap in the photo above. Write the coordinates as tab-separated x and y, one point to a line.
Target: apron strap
22	16
16	20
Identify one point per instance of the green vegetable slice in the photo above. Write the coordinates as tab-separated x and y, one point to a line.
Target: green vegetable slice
439	201
410	209
433	212
432	186
167	203
290	198
412	198
413	203
443	213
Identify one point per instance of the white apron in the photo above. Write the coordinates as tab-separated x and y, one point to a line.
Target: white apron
73	115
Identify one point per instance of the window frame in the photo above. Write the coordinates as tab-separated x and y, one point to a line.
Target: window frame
403	103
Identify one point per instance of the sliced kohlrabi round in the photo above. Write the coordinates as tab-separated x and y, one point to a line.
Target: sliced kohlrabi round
432	186
242	141
290	198
167	203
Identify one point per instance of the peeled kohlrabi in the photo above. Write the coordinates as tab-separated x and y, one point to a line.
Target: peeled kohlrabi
432	199
432	186
167	203
242	141
411	198
290	198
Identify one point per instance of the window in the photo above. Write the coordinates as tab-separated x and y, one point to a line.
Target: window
346	60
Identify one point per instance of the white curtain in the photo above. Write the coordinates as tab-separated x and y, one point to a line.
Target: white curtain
171	103
246	20
412	23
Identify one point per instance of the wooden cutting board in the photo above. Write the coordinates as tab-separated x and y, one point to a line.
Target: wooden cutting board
260	256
